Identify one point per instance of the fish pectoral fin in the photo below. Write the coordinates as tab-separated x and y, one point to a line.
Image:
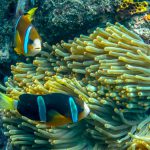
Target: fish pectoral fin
54	115
17	51
55	118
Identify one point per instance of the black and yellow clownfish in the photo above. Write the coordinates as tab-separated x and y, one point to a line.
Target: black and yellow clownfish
27	39
54	109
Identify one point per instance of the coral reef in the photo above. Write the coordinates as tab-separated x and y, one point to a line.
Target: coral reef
65	19
141	26
109	70
6	13
4	55
7	56
129	7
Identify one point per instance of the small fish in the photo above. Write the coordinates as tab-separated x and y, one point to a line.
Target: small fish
54	109
22	5
27	39
32	2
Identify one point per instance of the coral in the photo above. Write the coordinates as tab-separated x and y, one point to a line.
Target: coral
6	13
109	70
4	56
144	33
141	26
65	19
129	7
7	56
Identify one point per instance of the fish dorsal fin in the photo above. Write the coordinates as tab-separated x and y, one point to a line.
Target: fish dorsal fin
30	13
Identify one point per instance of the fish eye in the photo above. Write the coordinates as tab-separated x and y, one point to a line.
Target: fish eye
30	41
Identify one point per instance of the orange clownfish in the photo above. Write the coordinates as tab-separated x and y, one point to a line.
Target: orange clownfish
27	39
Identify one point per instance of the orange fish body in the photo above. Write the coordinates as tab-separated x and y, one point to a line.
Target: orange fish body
56	120
59	120
27	39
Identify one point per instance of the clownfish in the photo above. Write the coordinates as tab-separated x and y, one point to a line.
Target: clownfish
27	39
54	109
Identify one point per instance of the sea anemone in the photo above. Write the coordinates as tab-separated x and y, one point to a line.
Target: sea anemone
108	70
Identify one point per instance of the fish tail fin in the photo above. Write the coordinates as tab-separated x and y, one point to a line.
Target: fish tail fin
31	12
6	102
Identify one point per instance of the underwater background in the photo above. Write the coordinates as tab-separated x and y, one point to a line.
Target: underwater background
96	50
